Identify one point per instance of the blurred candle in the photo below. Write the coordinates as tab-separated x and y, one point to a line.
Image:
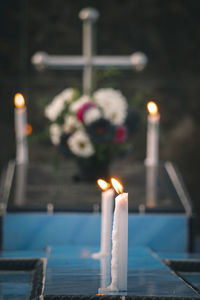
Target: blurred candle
20	114
152	135
151	186
119	261
106	218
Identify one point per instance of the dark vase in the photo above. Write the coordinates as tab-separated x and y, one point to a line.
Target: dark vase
92	169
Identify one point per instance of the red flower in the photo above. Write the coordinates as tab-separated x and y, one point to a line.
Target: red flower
120	134
83	109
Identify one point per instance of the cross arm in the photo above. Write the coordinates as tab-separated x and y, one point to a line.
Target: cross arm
42	60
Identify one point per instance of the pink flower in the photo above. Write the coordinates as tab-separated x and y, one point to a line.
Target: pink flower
83	109
120	134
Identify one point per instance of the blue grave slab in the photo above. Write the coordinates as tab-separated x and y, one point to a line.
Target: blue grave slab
23	254
160	232
70	274
193	278
187	269
21	277
178	255
54	210
71	271
15	285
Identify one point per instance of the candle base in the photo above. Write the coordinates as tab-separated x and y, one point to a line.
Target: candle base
100	254
111	290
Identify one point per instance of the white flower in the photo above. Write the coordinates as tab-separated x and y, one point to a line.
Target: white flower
79	144
53	110
74	107
113	104
71	124
67	95
55	133
90	115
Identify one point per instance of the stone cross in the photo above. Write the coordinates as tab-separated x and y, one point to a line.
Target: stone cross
88	60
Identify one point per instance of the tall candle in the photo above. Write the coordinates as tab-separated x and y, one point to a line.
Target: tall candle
107	196
151	186
152	157
20	185
119	261
20	129
105	273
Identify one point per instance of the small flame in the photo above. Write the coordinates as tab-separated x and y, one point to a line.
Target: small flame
103	184
29	129
19	100
117	185
152	108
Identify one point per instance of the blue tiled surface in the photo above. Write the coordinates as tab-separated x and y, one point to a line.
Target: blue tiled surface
15	285
23	254
194	278
160	232
74	272
181	255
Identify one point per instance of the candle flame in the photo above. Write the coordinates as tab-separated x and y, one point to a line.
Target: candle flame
103	184
19	100
152	108
117	185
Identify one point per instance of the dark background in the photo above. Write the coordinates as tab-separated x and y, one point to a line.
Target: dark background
167	31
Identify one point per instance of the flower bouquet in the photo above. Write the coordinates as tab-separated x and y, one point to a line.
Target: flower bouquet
93	129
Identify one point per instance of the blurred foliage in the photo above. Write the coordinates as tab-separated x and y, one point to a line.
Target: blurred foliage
106	78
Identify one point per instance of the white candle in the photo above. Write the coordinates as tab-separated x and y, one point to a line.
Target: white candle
106	219
152	157
119	261
20	129
20	186
105	273
151	185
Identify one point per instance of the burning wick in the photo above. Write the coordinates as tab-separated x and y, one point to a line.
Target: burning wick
117	185
19	100
104	185
152	108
